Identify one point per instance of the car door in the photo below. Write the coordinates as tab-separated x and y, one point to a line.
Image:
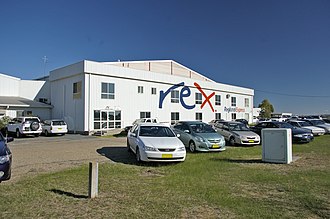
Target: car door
133	136
184	132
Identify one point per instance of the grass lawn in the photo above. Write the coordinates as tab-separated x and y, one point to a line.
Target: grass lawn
230	184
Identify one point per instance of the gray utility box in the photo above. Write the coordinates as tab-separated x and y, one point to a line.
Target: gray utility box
276	145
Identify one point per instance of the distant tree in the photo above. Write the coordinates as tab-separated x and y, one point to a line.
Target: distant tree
266	109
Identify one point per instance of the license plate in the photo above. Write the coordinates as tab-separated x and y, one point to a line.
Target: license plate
215	146
167	155
59	128
251	141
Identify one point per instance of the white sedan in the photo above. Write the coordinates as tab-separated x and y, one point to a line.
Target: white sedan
155	142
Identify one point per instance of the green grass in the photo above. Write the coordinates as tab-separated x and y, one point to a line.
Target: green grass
231	184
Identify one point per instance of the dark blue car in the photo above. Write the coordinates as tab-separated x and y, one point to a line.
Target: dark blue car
5	158
299	135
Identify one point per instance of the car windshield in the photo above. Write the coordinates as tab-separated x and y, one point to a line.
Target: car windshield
238	127
202	128
156	131
58	123
317	122
285	125
303	124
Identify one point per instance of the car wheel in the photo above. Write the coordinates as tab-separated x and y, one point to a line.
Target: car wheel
18	134
128	146
138	156
192	147
34	126
232	141
46	133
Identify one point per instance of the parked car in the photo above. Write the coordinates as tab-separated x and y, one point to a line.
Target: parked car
319	123
299	135
143	120
237	133
24	126
5	158
303	124
199	136
54	127
244	121
326	120
155	142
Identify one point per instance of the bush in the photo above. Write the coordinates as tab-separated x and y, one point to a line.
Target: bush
3	122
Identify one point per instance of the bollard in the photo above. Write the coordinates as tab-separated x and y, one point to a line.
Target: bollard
93	179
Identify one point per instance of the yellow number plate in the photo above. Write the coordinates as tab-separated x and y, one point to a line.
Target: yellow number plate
167	155
251	141
215	146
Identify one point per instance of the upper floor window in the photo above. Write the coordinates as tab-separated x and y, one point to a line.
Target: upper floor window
108	91
233	101
217	100
198	98
140	89
247	102
174	96
153	90
76	90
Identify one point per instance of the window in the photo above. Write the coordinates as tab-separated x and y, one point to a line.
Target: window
153	90
198	98
247	102
107	119
174	117
140	89
76	90
43	100
233	101
174	96
199	116
233	116
217	100
145	115
107	91
217	115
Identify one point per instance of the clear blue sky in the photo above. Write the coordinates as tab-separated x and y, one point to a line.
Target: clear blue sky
280	48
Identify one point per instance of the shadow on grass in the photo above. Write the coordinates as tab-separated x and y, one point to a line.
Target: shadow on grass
121	155
118	154
248	161
69	194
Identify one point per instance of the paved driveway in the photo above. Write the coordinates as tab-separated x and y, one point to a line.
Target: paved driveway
32	155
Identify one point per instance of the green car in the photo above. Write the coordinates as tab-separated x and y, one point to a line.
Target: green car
199	136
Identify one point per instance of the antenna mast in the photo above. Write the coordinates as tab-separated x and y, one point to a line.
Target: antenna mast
45	59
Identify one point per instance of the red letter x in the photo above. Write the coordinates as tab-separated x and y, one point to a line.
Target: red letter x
207	98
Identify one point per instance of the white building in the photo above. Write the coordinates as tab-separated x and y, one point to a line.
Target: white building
23	97
92	96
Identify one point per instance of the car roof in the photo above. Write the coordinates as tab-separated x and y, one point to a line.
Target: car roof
153	124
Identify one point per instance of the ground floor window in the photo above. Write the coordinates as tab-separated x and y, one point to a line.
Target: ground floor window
233	116
107	119
199	116
145	115
175	117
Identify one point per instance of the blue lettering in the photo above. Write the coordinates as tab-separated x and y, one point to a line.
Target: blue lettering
163	94
185	94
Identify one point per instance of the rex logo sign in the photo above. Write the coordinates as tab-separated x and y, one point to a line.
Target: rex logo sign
184	93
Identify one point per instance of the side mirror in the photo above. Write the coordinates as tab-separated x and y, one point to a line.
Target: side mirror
9	139
133	135
186	131
178	135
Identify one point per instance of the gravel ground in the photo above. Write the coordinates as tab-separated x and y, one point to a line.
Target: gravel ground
32	156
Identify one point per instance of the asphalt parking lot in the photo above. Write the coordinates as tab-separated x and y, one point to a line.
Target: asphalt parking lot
35	155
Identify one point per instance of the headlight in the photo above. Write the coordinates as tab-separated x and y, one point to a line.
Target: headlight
4	159
148	148
298	136
200	139
181	149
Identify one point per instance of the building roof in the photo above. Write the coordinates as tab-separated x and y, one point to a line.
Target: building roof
6	101
161	66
